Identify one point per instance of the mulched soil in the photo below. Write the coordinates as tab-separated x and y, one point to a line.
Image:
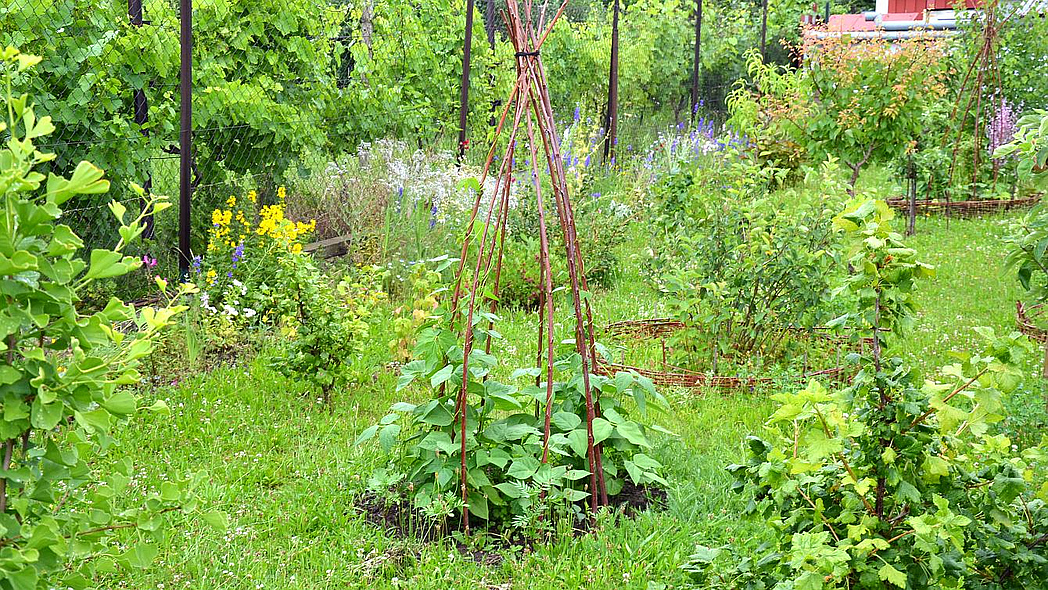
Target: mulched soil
398	518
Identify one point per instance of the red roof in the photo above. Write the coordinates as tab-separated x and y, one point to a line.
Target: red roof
857	22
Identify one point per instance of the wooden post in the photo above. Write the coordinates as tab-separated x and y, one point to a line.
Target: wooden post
489	22
764	30
911	169
697	61
467	43
611	116
185	135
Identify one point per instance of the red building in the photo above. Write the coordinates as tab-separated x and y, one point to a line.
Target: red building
900	19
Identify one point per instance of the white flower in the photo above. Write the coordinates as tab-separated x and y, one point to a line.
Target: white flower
249	313
230	310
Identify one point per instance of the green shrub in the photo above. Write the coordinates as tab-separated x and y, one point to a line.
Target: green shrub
743	276
892	481
67	374
326	334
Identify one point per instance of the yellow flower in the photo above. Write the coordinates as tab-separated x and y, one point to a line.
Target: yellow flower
231	202
282	193
252	196
296	249
211	276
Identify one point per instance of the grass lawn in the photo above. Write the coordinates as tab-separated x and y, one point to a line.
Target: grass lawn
286	470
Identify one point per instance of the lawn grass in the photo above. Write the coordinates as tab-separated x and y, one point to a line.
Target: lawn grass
286	470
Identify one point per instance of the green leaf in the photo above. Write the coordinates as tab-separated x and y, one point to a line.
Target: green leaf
367	434
577	441
25	579
441	376
140	556
107	264
122	403
387	437
86	180
218	520
478	505
46	416
523	468
566	421
633	432
511	490
891	575
95	420
602	429
439	415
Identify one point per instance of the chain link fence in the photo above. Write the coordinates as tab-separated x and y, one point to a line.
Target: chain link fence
281	90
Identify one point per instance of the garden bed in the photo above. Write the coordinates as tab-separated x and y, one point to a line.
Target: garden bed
674	376
1028	319
964	208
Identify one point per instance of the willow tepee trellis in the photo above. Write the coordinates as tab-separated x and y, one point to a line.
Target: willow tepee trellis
530	119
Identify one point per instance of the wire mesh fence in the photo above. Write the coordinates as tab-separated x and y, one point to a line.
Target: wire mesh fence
281	89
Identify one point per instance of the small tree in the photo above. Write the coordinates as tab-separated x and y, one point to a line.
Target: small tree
861	103
63	384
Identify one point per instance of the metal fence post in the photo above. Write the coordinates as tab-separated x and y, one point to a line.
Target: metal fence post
611	120
141	108
467	44
698	59
185	136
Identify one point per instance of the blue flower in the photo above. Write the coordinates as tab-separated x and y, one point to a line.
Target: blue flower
578	114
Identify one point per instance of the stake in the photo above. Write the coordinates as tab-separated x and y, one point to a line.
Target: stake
185	136
467	45
611	118
764	30
911	224
697	60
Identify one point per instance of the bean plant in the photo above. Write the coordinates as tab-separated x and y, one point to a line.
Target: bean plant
522	467
68	373
894	481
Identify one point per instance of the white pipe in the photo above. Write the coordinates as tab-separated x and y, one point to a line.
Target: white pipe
912	25
887	35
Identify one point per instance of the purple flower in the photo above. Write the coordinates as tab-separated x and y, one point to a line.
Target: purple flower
1001	127
196	263
578	114
587	163
149	262
433	216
